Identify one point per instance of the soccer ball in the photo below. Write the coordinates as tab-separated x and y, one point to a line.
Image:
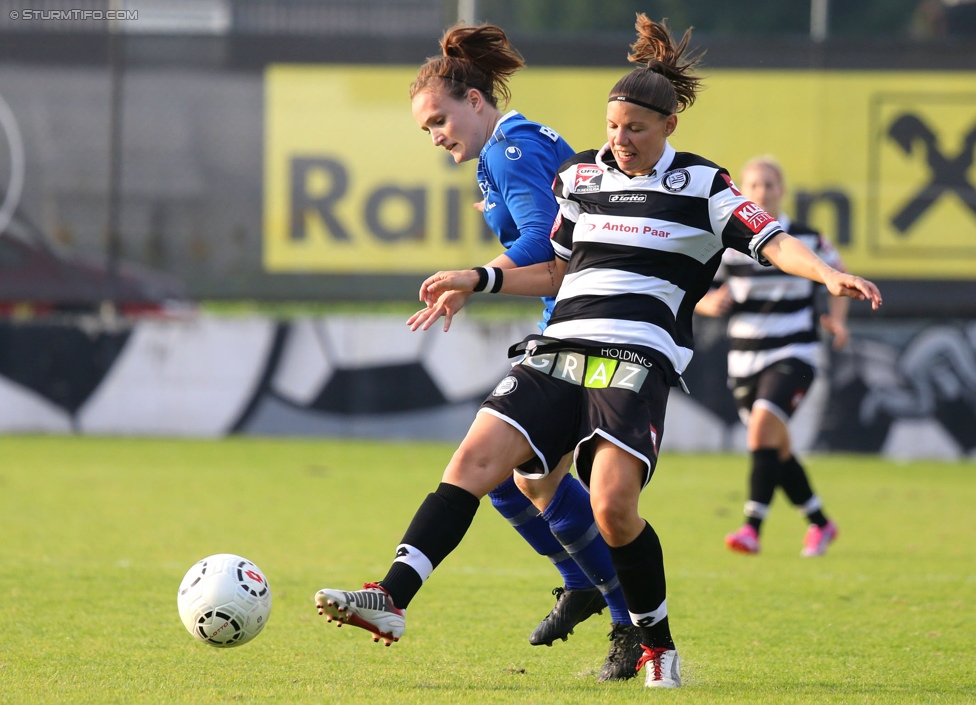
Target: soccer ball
224	600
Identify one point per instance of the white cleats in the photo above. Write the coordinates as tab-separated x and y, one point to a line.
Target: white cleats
663	667
370	608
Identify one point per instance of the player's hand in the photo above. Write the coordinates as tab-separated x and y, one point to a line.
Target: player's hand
716	302
836	328
841	284
437	284
449	303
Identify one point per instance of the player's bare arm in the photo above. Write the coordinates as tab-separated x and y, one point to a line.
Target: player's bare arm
541	279
449	303
440	292
717	302
835	322
793	257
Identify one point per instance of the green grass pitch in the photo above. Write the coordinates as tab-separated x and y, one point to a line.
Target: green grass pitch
96	534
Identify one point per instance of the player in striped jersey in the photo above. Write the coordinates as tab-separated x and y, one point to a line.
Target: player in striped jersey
455	99
639	236
773	351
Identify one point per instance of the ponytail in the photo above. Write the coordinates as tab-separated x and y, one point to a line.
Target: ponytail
665	80
479	57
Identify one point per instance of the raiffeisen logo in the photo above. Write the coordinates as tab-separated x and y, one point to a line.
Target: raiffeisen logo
11	164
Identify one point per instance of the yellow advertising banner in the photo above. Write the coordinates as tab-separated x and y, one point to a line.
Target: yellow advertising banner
881	162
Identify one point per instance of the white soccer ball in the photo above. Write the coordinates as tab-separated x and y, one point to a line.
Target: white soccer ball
224	600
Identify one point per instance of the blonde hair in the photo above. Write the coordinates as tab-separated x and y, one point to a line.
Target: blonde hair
768	161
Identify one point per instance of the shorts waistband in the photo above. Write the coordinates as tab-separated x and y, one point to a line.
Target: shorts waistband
591	371
553	355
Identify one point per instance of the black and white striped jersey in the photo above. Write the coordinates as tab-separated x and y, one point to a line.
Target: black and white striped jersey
773	316
643	250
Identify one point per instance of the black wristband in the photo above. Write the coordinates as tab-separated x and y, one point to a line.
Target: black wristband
499	276
482	278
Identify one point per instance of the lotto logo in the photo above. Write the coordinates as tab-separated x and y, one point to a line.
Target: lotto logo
754	217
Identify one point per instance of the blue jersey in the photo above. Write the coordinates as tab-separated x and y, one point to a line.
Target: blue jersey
516	169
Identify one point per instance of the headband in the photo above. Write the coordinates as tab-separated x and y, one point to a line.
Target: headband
625	99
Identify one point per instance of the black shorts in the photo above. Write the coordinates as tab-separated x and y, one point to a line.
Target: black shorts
779	388
561	401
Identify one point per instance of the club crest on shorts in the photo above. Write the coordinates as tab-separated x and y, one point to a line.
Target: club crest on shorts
677	180
506	386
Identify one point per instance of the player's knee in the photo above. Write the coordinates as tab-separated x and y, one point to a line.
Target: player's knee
766	430
615	519
470	458
533	489
475	469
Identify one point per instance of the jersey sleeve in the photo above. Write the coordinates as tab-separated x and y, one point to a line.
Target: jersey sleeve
567	216
522	170
742	225
722	273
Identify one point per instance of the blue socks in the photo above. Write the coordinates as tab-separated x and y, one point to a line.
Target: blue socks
570	517
508	499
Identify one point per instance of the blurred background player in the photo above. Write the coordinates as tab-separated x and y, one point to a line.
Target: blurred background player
773	351
455	98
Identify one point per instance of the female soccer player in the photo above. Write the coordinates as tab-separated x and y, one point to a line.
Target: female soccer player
773	350
640	233
455	98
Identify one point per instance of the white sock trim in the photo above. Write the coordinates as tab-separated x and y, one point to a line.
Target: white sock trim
755	510
649	619
811	505
414	558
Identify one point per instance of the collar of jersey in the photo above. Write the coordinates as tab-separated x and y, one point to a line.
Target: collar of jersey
503	118
496	134
656	173
498	126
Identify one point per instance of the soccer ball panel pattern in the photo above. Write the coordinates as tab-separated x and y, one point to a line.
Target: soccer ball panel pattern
224	600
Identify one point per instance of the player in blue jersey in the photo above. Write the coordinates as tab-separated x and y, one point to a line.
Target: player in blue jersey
455	98
641	229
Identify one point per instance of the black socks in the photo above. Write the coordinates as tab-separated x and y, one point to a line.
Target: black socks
437	528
